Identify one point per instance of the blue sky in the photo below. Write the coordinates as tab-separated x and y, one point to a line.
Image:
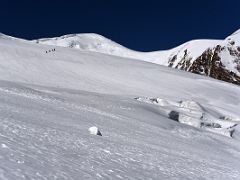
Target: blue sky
141	25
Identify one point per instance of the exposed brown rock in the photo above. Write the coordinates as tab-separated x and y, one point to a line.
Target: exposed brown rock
213	67
171	61
185	63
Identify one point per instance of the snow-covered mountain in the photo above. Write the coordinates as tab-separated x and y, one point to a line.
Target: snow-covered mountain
219	59
156	122
97	43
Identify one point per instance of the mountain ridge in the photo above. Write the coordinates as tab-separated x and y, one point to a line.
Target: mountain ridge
219	59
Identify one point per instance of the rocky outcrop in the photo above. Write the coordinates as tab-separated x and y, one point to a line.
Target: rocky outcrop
211	63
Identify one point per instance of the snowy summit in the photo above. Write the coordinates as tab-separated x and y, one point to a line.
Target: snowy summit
219	59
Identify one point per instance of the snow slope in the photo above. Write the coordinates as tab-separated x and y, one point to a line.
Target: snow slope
234	37
48	101
97	43
197	56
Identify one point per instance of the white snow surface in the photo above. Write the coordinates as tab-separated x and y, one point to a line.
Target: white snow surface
49	100
192	49
234	37
97	43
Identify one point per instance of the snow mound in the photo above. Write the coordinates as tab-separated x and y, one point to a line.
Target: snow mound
94	131
190	105
192	113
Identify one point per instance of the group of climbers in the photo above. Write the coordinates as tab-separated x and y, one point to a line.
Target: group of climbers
51	50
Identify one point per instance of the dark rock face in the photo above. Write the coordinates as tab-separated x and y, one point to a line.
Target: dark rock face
185	63
210	63
99	133
171	60
174	115
210	125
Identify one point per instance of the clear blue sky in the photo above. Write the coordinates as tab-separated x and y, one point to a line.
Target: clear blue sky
141	25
